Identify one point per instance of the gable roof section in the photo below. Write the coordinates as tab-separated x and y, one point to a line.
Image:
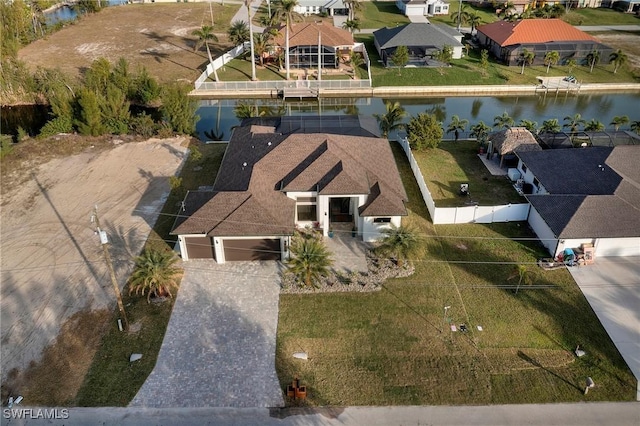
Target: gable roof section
573	171
306	34
514	139
416	34
528	31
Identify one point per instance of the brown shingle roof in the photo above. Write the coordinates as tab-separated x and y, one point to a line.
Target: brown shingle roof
306	34
258	168
514	139
532	31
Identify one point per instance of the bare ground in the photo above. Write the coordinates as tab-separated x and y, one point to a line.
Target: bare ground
628	42
157	36
52	265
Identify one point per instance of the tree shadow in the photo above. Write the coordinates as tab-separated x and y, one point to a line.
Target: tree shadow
535	363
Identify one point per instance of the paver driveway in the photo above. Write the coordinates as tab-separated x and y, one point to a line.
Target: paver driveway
219	348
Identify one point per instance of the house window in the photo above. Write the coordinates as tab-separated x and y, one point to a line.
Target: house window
382	220
536	182
307	213
524	168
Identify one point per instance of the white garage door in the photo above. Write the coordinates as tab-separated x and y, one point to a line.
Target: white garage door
606	247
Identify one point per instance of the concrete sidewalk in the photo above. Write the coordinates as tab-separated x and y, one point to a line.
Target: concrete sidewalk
582	414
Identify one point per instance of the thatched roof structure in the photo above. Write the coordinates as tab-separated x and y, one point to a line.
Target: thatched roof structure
514	139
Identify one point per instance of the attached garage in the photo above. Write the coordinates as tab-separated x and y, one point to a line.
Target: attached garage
606	247
252	249
199	247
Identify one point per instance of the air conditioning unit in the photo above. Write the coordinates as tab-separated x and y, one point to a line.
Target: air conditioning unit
514	174
519	183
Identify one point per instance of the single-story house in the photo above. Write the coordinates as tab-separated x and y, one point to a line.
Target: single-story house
304	39
508	141
423	7
506	40
330	7
585	196
422	40
283	173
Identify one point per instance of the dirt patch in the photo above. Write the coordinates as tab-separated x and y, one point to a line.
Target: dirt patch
157	36
52	262
57	377
628	42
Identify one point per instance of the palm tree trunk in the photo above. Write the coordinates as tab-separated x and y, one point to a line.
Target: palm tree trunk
253	57
286	53
215	72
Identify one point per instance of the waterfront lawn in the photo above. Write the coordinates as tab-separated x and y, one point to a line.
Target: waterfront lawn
112	380
465	71
453	163
379	14
394	347
600	16
239	69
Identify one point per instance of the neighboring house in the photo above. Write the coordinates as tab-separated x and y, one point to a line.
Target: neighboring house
279	174
585	196
304	38
423	7
506	40
330	7
422	40
508	141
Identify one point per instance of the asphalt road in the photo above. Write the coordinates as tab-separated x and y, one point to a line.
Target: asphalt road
583	414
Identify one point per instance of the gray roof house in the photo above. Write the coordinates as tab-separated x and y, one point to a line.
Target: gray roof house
422	40
286	172
585	196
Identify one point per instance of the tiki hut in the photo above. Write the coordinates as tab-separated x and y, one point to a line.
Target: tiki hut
510	140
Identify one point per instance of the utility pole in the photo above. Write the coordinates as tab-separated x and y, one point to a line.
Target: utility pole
107	257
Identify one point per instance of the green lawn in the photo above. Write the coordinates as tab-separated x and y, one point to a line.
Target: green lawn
378	14
600	16
392	347
112	380
453	163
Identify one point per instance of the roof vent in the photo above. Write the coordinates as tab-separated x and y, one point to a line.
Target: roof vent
244	164
268	143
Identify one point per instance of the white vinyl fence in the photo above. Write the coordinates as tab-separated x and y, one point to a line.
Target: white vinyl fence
467	214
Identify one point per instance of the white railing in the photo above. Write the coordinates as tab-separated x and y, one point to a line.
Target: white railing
467	214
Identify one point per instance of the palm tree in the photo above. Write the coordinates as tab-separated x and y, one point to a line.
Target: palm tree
529	125
392	119
619	120
474	20
285	9
310	259
356	61
526	58
461	16
238	32
551	58
480	131
522	273
571	64
550	126
456	126
592	59
503	121
205	34
154	274
401	242
573	123
593	125
353	6
351	25
635	126
617	58
262	44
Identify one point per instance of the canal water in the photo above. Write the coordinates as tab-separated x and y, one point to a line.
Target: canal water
66	13
219	116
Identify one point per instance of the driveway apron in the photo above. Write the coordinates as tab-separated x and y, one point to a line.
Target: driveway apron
219	348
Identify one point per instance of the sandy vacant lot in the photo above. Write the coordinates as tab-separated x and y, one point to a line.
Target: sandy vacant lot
157	36
52	264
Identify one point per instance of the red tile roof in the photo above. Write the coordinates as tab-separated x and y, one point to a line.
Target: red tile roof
532	31
306	34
